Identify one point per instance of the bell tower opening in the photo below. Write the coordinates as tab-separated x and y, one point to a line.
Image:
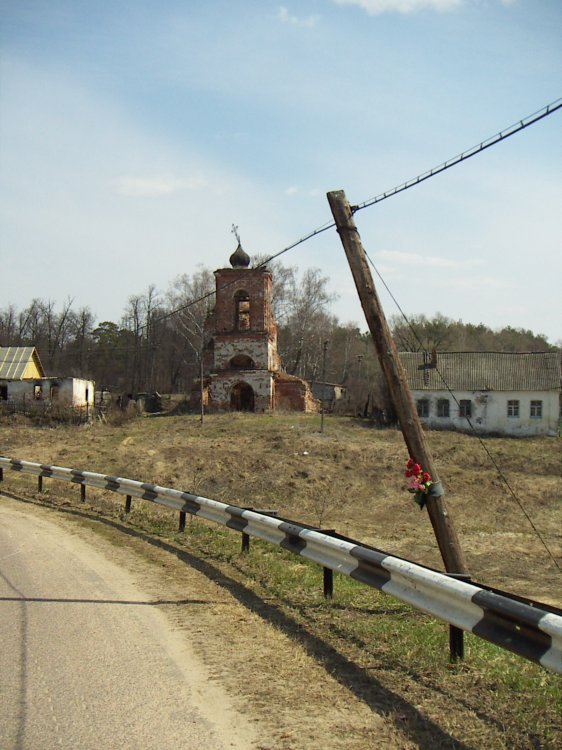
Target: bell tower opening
242	320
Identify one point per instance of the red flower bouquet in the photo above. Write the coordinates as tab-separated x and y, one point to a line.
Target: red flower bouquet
419	481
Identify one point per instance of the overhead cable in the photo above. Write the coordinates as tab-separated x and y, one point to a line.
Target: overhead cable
492	141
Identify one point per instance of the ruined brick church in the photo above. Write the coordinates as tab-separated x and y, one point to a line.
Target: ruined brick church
244	366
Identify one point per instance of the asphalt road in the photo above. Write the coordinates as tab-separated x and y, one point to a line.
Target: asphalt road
86	659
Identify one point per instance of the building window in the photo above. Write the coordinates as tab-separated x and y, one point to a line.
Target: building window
536	410
513	408
422	405
242	302
443	407
37	393
465	407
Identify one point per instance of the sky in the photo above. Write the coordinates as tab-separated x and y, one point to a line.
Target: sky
135	133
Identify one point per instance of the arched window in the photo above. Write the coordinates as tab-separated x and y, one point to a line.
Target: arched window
242	362
242	310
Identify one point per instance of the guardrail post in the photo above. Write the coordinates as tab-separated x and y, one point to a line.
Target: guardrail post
181	526
39	484
128	501
456	635
328	583
246	537
82	493
328	572
456	644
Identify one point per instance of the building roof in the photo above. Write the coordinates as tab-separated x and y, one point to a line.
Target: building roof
15	360
239	258
483	371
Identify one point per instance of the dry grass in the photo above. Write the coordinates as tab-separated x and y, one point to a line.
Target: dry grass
350	478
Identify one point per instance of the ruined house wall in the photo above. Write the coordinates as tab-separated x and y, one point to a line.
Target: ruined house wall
294	394
65	391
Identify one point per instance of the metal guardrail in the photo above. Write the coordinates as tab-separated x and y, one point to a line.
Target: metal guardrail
529	631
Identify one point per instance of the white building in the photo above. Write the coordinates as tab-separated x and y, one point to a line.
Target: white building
74	392
502	393
24	385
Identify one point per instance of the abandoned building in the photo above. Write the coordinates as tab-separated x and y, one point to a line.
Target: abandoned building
498	393
25	387
241	358
328	393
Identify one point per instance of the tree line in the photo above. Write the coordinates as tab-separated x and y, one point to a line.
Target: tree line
159	342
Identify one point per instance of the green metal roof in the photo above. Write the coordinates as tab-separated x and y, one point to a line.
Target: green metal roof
15	359
483	371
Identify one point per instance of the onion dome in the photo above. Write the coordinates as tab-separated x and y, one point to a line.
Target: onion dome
239	258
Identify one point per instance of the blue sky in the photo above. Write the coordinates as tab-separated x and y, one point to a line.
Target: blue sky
133	134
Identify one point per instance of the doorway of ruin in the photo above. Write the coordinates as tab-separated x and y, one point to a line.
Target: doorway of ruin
242	398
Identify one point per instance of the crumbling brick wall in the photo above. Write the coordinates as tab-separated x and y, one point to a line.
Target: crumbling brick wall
294	394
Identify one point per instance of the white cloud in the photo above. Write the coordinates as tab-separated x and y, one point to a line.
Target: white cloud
480	283
308	192
286	17
427	261
155	186
68	192
376	7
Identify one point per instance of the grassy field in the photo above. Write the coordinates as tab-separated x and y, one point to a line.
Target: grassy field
350	478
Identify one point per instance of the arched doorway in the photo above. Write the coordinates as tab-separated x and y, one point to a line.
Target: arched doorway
242	397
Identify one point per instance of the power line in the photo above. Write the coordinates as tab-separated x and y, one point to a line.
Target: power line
454	161
207	295
492	141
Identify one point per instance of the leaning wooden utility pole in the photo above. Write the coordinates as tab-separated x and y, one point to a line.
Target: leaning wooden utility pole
395	376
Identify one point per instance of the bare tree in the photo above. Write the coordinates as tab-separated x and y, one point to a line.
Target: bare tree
193	298
307	323
8	326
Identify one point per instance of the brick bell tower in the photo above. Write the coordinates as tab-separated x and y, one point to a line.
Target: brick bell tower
242	357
